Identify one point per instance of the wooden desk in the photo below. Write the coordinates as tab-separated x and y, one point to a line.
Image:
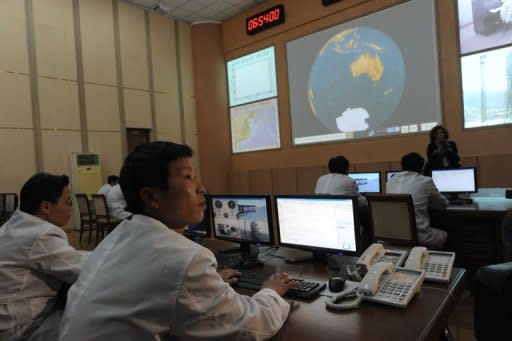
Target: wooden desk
423	319
474	231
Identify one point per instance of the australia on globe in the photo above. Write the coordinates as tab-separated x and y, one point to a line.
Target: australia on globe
356	81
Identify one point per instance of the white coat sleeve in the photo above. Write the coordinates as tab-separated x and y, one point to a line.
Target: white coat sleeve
436	199
51	254
207	307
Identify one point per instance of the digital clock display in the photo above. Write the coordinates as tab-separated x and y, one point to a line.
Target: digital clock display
269	18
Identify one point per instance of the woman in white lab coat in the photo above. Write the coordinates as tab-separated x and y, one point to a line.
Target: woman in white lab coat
36	260
145	281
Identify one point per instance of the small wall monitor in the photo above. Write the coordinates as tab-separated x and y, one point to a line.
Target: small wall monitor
391	173
459	180
368	182
244	219
318	223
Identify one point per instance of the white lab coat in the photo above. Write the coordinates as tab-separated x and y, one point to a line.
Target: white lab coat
35	260
116	203
424	194
105	189
339	184
144	281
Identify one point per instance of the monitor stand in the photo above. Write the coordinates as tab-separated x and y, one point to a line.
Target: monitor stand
248	255
312	256
244	248
460	199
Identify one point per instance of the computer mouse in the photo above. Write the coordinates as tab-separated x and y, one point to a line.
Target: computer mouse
336	284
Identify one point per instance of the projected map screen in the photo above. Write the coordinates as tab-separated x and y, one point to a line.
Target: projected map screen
370	77
255	126
252	77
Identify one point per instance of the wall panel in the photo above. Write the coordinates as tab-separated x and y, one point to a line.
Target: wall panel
138	114
57	147
12	26
164	53
108	146
15	108
18	161
102	107
58	101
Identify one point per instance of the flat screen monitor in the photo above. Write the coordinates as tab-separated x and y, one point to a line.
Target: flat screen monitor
319	223
390	173
244	219
203	228
459	180
368	182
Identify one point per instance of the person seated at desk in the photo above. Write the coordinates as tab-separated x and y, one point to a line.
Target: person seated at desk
36	260
145	281
338	182
116	203
441	152
424	194
112	180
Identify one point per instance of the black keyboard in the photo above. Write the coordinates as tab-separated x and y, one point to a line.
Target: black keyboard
225	261
302	289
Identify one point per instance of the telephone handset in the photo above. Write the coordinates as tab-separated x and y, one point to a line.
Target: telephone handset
373	254
382	284
437	265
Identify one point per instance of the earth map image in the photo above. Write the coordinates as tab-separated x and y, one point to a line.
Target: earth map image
356	81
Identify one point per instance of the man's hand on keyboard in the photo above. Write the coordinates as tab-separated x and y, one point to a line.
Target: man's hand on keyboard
230	276
279	282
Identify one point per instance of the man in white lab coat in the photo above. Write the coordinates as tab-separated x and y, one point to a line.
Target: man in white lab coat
338	182
424	194
36	260
145	281
112	180
116	203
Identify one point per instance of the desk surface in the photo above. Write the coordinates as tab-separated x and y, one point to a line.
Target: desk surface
485	204
423	318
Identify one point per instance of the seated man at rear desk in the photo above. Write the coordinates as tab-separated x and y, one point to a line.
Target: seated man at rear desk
116	203
145	281
424	194
337	182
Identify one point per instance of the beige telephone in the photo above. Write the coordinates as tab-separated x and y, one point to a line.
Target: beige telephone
382	284
373	254
438	265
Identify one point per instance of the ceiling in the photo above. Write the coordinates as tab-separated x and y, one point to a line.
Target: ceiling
192	11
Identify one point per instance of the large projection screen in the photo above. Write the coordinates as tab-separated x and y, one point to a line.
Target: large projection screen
370	77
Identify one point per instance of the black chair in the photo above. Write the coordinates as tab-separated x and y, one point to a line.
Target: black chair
506	236
492	289
87	219
103	218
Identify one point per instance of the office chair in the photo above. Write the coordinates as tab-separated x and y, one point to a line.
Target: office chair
103	218
392	219
87	218
506	235
493	302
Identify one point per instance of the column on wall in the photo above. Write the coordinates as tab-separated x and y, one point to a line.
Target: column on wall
211	106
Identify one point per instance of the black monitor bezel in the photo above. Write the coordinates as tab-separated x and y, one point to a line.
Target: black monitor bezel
371	172
314	249
406	198
268	203
457	169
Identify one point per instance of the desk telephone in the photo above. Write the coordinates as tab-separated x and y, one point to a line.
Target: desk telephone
437	265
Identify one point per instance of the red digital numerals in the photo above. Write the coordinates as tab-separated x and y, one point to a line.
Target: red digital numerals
266	19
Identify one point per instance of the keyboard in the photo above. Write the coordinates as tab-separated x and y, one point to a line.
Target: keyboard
303	289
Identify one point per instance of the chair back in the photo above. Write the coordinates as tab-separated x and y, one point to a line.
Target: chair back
10	203
392	219
2	204
83	204
100	205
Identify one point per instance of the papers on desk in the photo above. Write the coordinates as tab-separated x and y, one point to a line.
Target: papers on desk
348	284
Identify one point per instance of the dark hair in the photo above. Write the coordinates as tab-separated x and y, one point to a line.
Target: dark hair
147	166
433	133
413	162
112	178
41	187
339	164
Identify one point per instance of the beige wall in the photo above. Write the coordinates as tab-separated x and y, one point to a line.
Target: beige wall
305	17
95	125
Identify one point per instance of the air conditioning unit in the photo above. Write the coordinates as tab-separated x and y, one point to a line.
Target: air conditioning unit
85	178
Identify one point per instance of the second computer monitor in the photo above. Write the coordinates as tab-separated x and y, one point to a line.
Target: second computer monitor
391	173
368	182
458	180
319	223
245	219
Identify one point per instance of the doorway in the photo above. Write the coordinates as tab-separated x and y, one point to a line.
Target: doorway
136	136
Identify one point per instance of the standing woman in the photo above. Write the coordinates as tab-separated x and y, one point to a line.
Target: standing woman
441	152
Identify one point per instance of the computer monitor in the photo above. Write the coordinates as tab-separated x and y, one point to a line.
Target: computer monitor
368	182
318	223
390	173
244	219
201	230
458	180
